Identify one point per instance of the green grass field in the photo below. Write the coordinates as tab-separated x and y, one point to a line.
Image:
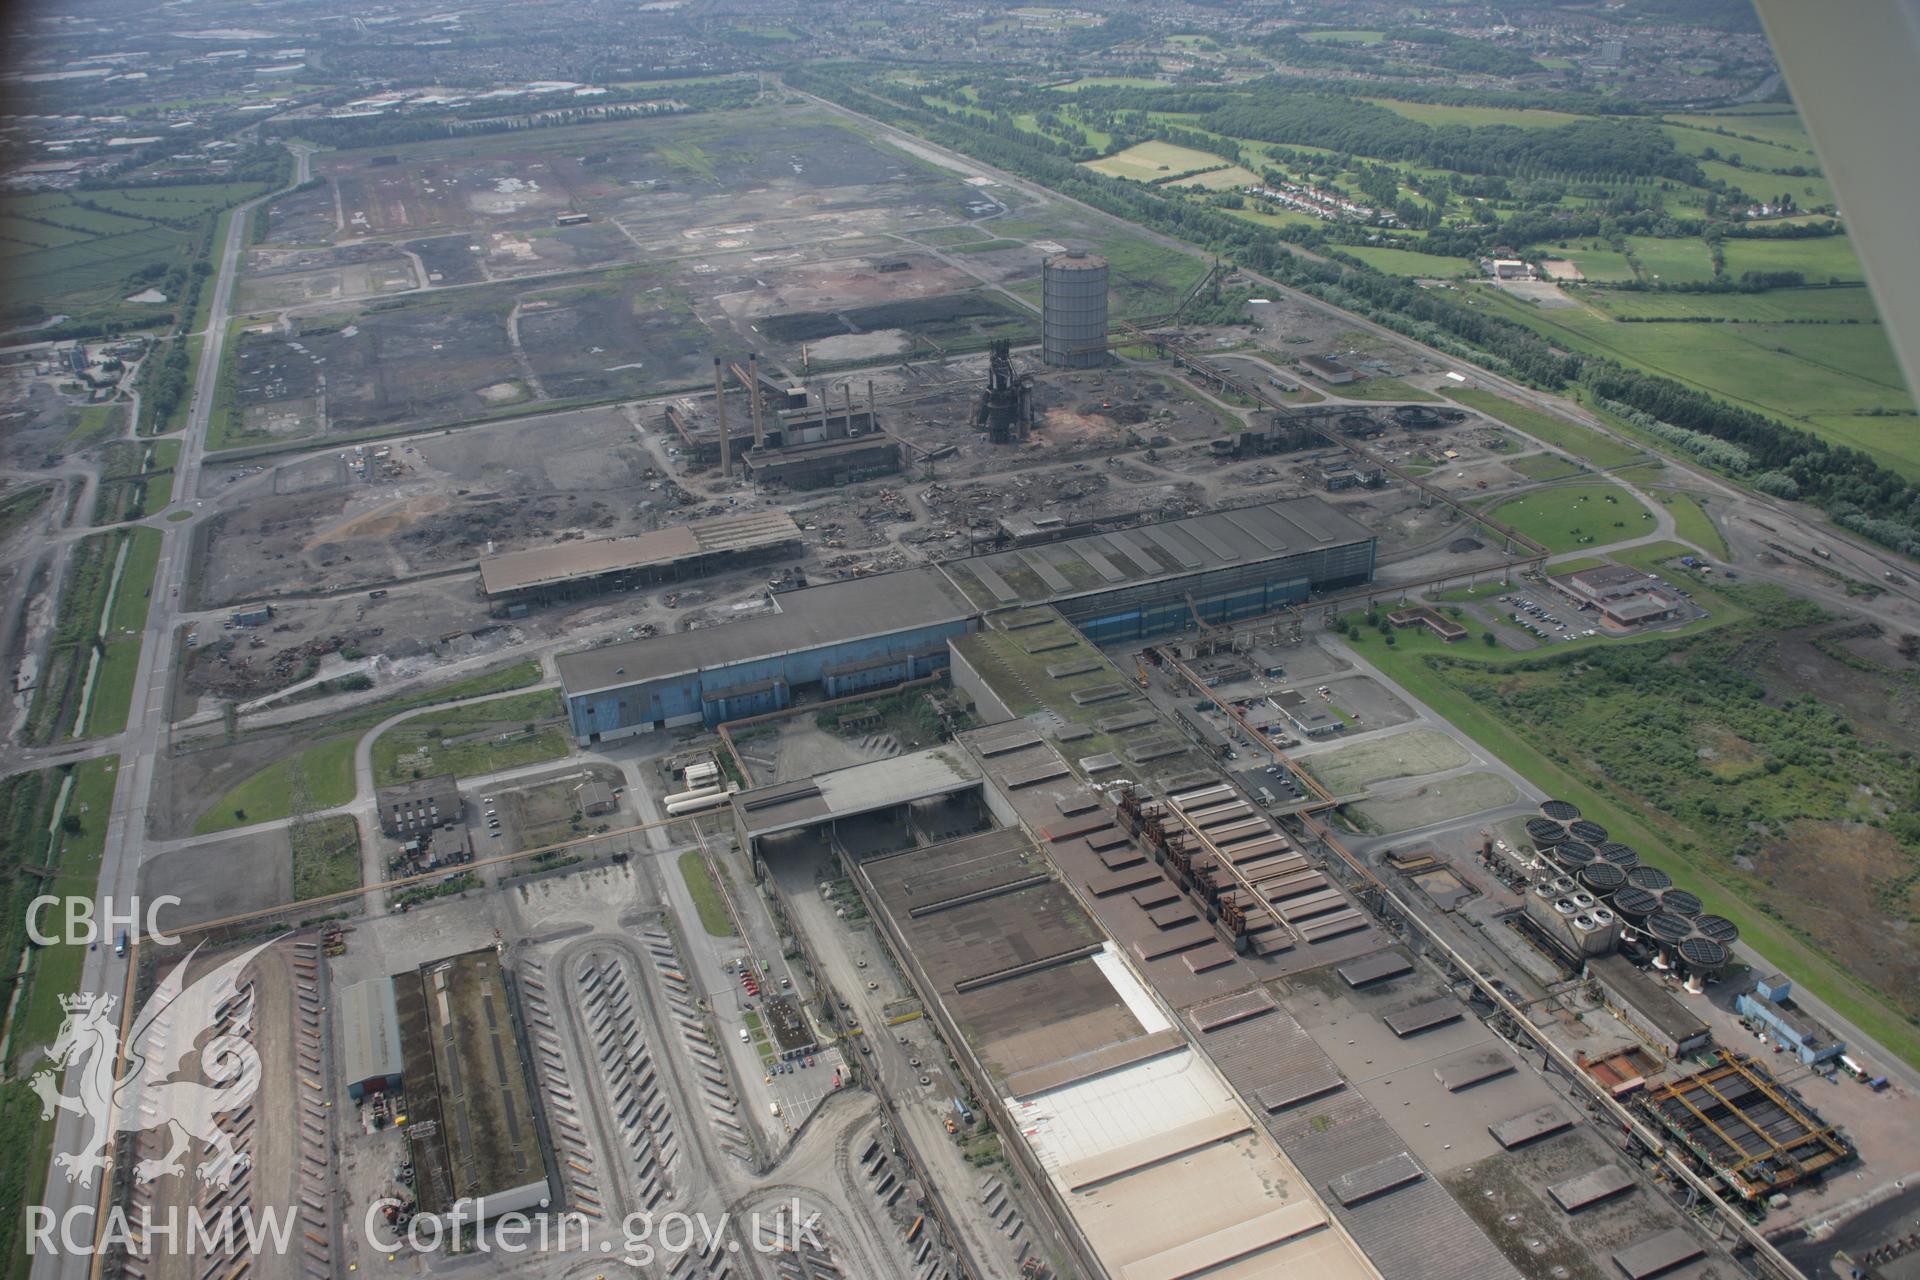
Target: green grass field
706	895
1777	125
126	625
1384	389
176	420
56	970
1148	278
1410	663
136	480
1808	192
328	763
1822	259
136	581
479	738
1282	221
1641	473
20	506
1570	516
83	597
1407	262
97	423
64	258
202	315
1475	117
1691	522
1545	466
82	608
1345	37
266	795
948	236
1105	82
1827	378
1148	161
1847	305
1582	442
326	857
1597	264
25	1142
500	680
1673	261
225	421
1752	155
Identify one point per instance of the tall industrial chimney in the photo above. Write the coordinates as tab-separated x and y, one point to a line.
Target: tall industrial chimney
720	415
753	376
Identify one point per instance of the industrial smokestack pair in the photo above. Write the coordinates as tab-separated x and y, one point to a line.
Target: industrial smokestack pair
720	408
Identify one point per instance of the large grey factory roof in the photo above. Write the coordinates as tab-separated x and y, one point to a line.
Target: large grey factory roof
371	1026
1161	1170
659	549
458	1031
857	789
831	613
1217	540
1416	1230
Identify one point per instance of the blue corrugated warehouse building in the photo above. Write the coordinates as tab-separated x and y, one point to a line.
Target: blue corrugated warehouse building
875	632
863	633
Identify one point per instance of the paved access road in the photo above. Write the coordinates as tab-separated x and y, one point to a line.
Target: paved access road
147	725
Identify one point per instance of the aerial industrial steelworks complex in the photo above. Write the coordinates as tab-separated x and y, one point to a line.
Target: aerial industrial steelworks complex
1209	1044
726	692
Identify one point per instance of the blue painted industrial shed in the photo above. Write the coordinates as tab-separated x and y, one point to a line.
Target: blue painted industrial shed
862	633
874	632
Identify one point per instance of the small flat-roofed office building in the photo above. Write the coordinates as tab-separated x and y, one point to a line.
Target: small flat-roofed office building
1446	628
1625	596
1605	582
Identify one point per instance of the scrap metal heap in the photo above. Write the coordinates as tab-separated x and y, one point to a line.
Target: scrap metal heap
1005	409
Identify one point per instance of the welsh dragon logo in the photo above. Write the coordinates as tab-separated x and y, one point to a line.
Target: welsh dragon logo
165	1037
